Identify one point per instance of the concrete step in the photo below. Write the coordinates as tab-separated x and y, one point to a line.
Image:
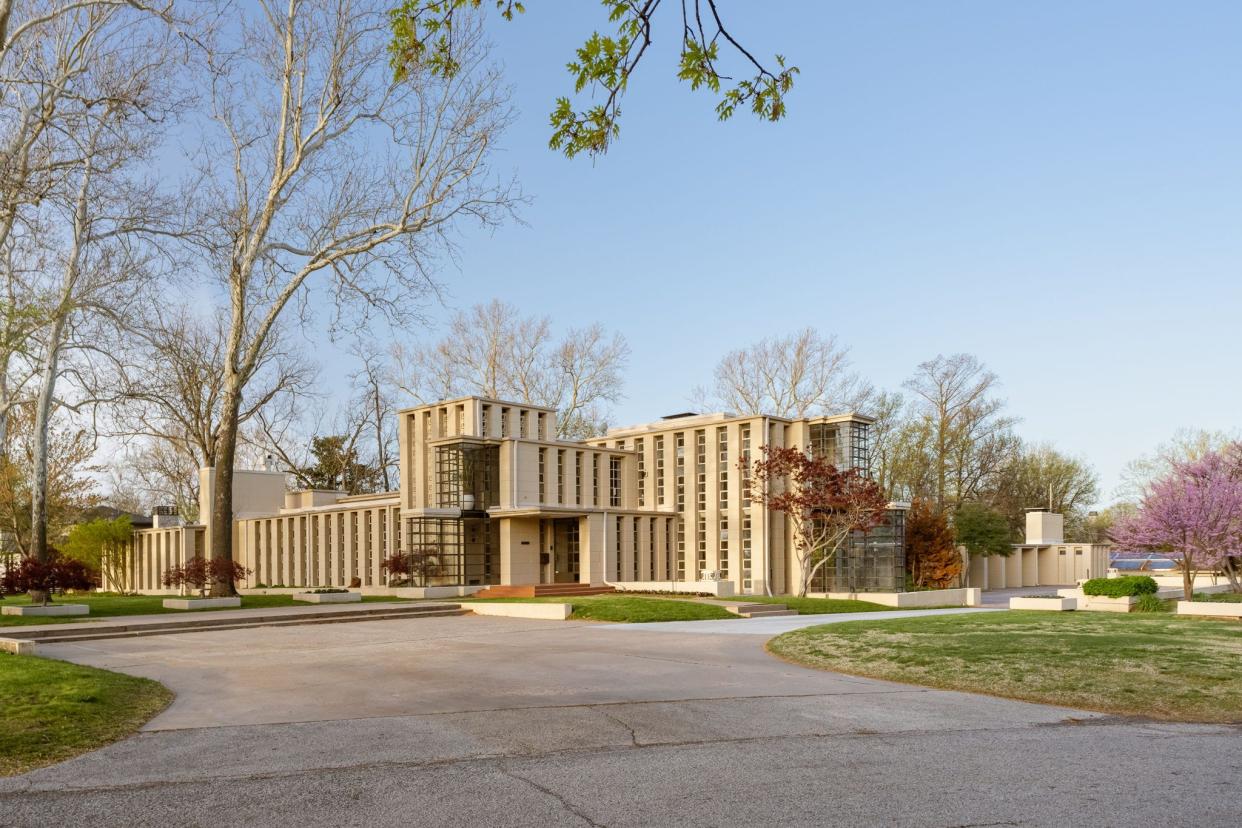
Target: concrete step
768	613
95	631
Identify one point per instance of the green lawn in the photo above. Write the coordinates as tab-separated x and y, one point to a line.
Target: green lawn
628	609
109	605
813	606
1163	667
54	710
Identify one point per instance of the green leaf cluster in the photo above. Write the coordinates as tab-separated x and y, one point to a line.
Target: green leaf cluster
423	37
1123	587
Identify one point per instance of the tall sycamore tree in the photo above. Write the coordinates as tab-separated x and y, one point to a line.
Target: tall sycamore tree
327	185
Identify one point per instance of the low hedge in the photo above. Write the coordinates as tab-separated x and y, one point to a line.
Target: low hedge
1123	587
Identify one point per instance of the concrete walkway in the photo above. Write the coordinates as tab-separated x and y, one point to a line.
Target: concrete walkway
768	627
507	722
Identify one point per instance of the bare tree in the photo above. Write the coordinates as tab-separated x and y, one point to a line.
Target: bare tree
96	219
174	387
958	429
317	163
494	351
799	375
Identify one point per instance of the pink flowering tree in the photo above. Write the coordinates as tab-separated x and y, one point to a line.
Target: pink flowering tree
1194	515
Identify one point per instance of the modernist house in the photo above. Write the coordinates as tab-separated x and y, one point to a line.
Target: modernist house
488	496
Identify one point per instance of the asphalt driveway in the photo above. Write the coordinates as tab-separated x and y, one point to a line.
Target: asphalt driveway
492	721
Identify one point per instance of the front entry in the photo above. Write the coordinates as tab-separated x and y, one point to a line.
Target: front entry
559	551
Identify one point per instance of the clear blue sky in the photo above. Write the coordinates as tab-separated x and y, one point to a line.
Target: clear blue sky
1055	187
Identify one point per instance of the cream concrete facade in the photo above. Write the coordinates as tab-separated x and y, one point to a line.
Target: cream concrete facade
488	495
1043	559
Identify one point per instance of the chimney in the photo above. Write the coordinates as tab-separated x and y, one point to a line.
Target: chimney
1044	528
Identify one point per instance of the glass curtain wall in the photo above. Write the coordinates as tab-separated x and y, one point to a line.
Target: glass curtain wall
873	561
453	552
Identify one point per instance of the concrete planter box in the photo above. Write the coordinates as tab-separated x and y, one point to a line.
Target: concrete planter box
1214	609
1057	604
201	603
16	646
328	597
961	597
549	612
1098	603
49	610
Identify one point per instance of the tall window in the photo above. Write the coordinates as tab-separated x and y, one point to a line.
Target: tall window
724	548
543	484
722	465
659	469
746	553
614	482
745	459
651	549
523	423
543	425
484	417
560	475
504	423
578	478
679	470
642	472
594	479
637	535
616	548
461	419
668	557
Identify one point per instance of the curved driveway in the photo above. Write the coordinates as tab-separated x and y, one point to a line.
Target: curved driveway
492	721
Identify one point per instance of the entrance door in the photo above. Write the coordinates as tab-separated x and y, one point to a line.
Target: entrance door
564	551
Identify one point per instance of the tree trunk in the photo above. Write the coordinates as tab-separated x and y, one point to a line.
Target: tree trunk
1188	581
42	422
222	500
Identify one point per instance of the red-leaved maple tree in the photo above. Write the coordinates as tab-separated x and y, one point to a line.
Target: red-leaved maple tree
825	505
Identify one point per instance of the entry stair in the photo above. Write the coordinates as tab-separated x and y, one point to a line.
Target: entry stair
100	630
542	591
760	610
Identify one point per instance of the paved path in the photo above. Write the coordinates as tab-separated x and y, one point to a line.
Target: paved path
496	721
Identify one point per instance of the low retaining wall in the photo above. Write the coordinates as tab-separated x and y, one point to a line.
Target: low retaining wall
1216	609
549	612
968	597
422	592
720	588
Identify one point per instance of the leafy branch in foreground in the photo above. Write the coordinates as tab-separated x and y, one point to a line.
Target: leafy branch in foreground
423	36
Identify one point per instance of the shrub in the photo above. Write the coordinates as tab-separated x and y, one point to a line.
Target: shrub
200	573
1123	587
58	572
1150	603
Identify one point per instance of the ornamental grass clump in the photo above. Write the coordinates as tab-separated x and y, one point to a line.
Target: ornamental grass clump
1124	587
